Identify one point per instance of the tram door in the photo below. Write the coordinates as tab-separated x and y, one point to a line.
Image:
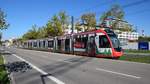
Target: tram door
91	46
67	45
59	45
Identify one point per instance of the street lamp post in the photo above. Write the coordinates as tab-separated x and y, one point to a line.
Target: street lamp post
72	28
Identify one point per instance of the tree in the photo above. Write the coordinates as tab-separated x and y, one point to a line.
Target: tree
54	27
145	38
50	30
78	26
31	34
3	23
115	12
42	32
104	16
56	24
89	19
63	18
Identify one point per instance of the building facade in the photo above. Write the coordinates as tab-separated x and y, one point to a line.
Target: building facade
123	30
131	36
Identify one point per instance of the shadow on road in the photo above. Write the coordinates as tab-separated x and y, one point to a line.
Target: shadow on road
2	52
59	68
55	69
18	66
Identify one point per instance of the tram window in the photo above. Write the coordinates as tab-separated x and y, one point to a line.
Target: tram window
25	44
50	44
84	40
31	44
59	44
43	43
81	42
28	44
78	39
39	44
67	44
104	42
35	44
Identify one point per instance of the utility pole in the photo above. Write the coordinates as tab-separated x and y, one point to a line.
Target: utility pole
72	28
72	24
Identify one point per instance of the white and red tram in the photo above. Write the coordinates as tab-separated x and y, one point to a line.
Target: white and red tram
102	42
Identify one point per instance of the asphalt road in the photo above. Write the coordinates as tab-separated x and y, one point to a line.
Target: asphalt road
58	68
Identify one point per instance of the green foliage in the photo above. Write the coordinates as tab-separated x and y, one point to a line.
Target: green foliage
64	19
104	16
3	23
50	30
142	59
54	27
3	73
115	12
56	24
78	26
89	19
31	34
42	32
145	38
1	59
136	51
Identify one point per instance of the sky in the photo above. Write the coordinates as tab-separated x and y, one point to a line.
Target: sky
22	14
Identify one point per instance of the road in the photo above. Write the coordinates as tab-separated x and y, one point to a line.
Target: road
58	68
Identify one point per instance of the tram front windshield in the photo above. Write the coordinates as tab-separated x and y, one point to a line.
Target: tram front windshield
115	41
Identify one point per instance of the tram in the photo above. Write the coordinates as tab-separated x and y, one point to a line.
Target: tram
102	42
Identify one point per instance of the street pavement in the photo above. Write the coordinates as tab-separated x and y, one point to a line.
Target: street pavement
56	68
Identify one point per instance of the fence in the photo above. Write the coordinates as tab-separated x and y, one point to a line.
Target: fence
132	46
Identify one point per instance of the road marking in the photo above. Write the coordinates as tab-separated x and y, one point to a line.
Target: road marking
57	81
127	75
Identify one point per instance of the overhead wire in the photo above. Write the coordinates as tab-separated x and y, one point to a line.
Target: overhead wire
97	13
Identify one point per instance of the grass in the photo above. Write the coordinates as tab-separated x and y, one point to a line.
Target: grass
3	73
137	51
142	59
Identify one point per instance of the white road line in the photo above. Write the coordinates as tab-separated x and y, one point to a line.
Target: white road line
127	75
57	81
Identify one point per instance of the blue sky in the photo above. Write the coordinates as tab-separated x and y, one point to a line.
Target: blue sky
22	14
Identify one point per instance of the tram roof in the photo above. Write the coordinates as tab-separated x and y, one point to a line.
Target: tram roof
69	35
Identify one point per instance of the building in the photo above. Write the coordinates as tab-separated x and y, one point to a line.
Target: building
123	30
69	30
8	43
128	35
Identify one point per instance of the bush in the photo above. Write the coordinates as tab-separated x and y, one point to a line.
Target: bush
3	74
